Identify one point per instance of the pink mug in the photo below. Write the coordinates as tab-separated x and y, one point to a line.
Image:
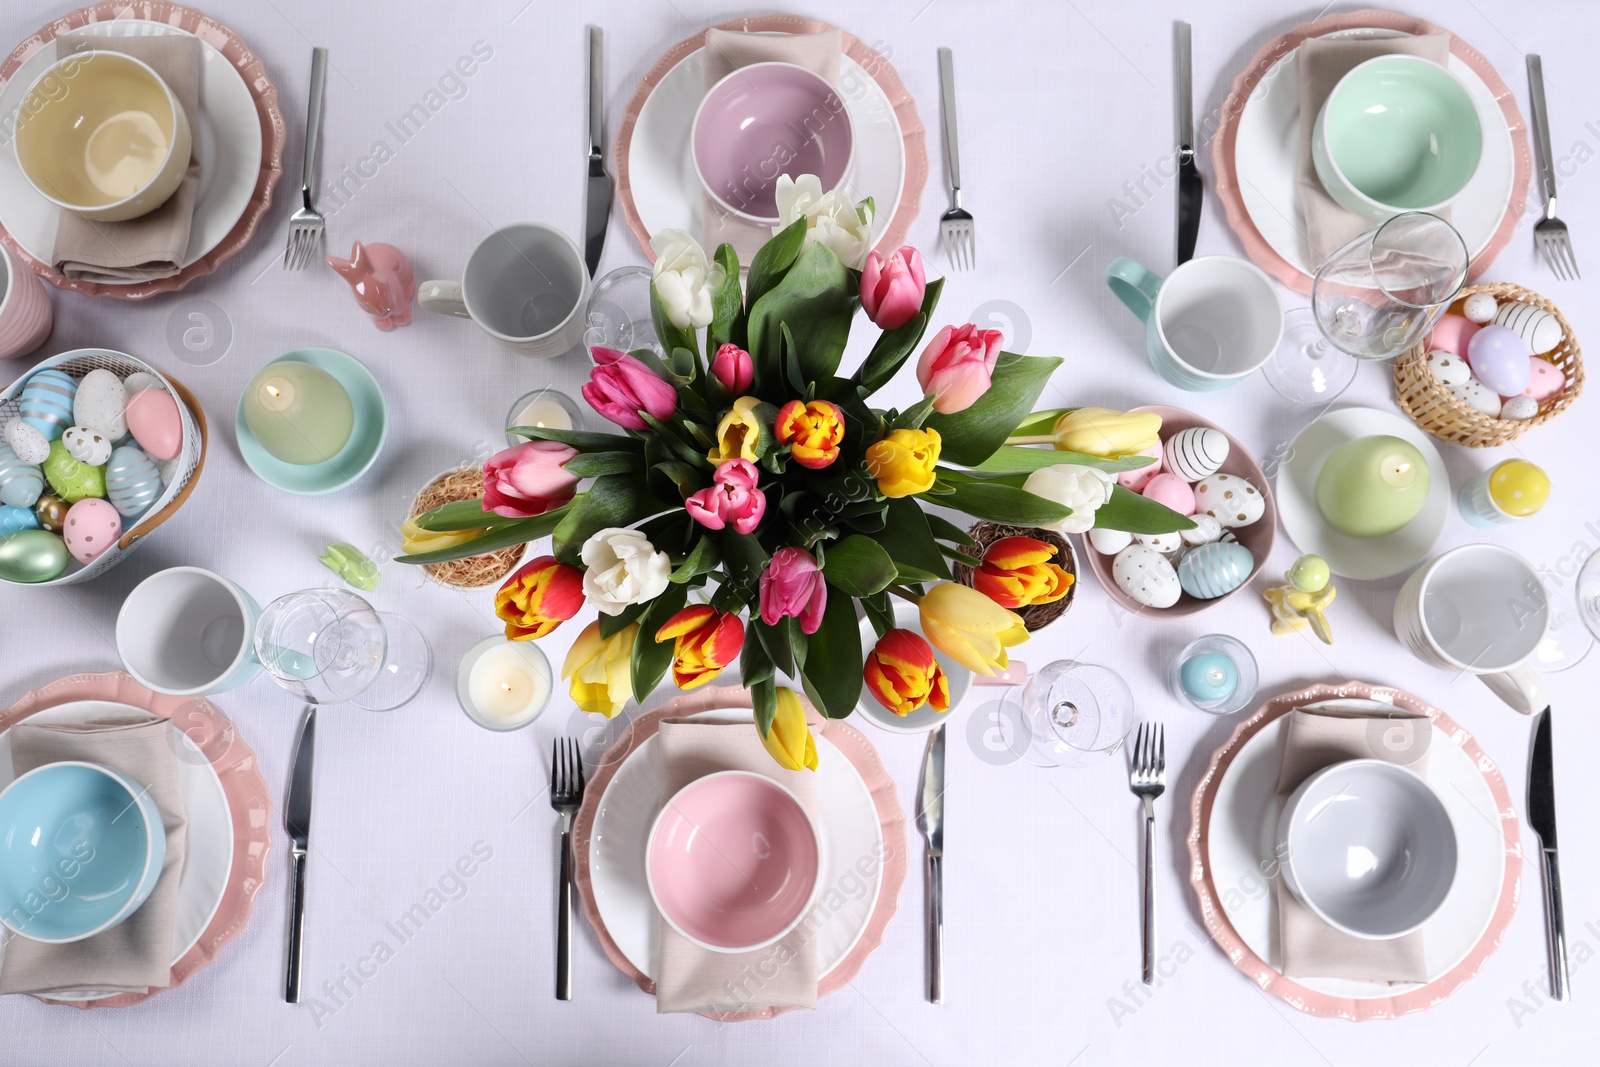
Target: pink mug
25	315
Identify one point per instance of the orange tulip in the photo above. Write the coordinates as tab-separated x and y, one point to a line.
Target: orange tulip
1017	571
903	675
707	641
812	430
538	597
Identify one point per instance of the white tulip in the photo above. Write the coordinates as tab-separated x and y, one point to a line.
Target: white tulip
622	567
845	228
684	279
1083	489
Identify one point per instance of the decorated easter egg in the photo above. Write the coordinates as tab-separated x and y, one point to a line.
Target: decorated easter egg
29	444
1171	491
1229	499
92	527
1215	570
1206	530
1448	367
1146	576
153	420
1479	396
1109	542
1479	308
87	446
1196	453
1519	408
1499	360
15	520
1452	334
51	511
33	556
1545	380
73	481
1518	487
20	483
1136	480
101	403
132	481
136	382
1168	544
46	402
1539	330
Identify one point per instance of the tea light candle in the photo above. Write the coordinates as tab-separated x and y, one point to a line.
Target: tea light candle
544	409
503	685
1208	677
298	412
1215	674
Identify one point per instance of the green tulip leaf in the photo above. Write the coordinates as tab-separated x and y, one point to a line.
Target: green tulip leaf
727	304
832	678
519	532
773	260
859	566
817	301
999	502
764	698
613	500
909	541
971	436
594	464
1137	514
582	440
1009	459
462	515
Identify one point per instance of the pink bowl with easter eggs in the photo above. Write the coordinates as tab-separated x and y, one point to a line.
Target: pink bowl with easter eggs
733	861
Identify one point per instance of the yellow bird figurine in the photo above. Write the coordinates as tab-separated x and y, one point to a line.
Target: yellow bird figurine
1301	603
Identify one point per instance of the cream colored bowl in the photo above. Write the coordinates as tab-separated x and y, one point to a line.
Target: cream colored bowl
101	134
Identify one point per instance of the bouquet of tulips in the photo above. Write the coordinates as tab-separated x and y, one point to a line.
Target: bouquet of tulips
752	496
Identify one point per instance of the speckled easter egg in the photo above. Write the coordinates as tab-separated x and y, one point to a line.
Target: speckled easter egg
1146	577
1545	379
71	480
132	481
101	403
1448	368
1196	453
20	483
46	402
1206	530
1479	308
1215	570
136	382
15	520
92	526
1479	396
1519	408
32	556
1135	480
1229	499
1452	334
1170	491
1109	542
29	444
1539	330
87	446
154	422
1499	359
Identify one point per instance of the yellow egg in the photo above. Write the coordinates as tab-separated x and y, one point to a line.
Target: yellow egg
1519	488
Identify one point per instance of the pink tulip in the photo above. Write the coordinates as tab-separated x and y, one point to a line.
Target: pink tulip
529	479
733	501
620	387
733	367
957	365
892	287
792	585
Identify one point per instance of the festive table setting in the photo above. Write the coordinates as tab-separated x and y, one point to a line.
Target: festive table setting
801	615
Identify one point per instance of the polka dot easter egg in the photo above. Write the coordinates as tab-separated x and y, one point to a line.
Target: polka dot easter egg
1206	530
46	402
1146	577
87	446
1499	360
92	526
1229	499
1545	380
1477	395
1135	480
101	404
1168	544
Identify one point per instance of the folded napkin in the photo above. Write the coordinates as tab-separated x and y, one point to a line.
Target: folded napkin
1322	62
153	245
690	978
1316	738
727	51
135	955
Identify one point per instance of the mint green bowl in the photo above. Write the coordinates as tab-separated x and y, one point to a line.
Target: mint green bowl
1398	133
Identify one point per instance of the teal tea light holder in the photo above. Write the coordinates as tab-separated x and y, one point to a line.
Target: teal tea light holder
1215	674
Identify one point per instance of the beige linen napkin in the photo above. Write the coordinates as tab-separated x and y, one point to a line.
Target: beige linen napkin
1322	62
150	246
1316	738
135	955
727	51
690	978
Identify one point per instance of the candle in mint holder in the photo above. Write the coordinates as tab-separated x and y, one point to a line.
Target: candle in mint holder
1215	674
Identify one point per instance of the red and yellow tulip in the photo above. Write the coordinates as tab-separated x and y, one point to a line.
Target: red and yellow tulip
538	597
1017	572
707	641
813	431
903	675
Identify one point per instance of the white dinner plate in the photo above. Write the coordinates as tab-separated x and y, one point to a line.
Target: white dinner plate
209	854
1242	839
229	132
661	177
1266	159
850	831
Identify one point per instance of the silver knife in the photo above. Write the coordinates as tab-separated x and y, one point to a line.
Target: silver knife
1191	189
930	820
597	198
1542	817
297	821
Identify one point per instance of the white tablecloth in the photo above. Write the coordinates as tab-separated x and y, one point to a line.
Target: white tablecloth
1066	111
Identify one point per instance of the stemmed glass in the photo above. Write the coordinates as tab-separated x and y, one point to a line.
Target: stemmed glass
1075	714
328	646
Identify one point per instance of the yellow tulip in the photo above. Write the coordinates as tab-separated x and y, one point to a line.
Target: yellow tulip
414	540
601	669
789	741
904	462
745	431
970	628
1106	433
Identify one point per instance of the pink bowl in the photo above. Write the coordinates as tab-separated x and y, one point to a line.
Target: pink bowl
733	861
763	121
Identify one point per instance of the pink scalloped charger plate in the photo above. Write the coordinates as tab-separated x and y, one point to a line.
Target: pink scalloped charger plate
841	738
1275	108
249	804
245	63
1233	869
685	191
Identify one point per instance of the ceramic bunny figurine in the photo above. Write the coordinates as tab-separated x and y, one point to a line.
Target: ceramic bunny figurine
380	275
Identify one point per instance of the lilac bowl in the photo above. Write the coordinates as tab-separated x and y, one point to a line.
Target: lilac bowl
763	121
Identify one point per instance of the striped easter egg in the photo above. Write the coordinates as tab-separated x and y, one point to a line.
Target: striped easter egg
1196	453
1539	330
20	483
15	520
1216	569
132	481
47	400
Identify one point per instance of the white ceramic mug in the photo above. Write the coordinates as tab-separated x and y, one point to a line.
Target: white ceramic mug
25	313
185	631
525	285
1479	609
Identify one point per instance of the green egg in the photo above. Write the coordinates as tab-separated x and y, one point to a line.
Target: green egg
32	556
73	481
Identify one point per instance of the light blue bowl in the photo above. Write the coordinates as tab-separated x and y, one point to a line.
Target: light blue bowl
81	848
367	432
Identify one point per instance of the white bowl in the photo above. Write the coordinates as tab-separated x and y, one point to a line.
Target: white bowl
1369	847
919	721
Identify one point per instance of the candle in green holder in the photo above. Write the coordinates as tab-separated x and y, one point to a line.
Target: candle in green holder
1372	486
297	412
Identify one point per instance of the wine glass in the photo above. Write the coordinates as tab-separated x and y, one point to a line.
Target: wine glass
328	646
619	313
1076	714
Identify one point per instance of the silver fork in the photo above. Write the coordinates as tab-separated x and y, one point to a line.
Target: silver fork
1147	777
1550	234
305	225
956	229
566	794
